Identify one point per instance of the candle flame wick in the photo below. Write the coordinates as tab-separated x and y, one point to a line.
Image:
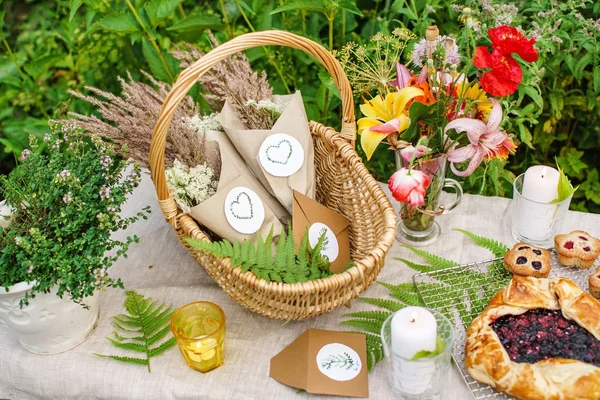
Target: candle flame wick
414	316
544	171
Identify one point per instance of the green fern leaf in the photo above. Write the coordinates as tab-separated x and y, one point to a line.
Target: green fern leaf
391	305
150	319
372	315
280	253
368	325
496	247
436	262
407	293
415	266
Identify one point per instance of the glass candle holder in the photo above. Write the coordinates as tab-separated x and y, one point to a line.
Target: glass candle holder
421	379
199	330
534	222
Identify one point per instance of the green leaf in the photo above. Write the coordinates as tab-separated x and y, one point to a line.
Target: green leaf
496	247
124	22
596	78
74	6
417	112
439	349
436	261
151	320
565	189
197	22
306	5
157	67
37	67
158	10
349	6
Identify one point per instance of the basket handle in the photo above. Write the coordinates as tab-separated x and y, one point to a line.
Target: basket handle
190	75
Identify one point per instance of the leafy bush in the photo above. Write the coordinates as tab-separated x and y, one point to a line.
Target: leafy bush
54	46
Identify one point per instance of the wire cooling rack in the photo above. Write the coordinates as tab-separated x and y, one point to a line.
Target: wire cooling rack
462	292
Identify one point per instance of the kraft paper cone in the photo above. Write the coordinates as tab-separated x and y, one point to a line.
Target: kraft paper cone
293	122
234	173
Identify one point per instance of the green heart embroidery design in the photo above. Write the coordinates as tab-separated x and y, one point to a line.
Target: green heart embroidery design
278	146
237	201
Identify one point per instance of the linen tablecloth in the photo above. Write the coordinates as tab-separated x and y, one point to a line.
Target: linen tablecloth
161	268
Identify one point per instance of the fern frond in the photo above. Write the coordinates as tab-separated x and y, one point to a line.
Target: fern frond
417	267
371	315
436	262
368	325
496	247
391	305
407	293
130	360
150	319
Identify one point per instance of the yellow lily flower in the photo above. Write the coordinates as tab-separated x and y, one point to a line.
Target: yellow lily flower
384	117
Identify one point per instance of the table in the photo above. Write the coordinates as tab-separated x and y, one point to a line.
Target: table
161	268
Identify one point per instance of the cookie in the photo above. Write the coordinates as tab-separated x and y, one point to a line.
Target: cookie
577	249
526	260
594	283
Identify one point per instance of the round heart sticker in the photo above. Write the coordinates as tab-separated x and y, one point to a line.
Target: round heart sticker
281	155
244	210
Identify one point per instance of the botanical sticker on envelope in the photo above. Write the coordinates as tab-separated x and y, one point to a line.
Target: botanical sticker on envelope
324	362
244	210
319	220
281	155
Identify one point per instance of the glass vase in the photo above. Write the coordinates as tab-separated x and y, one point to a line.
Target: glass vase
417	226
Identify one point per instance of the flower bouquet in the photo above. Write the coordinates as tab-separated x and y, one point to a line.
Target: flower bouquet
435	116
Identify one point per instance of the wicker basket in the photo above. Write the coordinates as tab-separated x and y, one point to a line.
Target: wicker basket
343	184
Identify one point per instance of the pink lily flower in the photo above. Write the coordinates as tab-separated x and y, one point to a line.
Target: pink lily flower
402	76
486	141
409	186
408	152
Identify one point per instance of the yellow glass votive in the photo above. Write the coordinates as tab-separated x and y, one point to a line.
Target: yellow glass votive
199	330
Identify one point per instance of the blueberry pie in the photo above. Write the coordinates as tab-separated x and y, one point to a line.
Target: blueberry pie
527	260
578	249
538	339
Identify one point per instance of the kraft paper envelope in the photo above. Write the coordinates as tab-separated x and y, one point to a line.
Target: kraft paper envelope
324	362
234	173
293	122
307	212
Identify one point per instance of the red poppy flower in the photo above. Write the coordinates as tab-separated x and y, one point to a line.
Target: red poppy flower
505	74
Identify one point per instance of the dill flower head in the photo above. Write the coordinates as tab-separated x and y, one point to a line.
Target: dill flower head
373	65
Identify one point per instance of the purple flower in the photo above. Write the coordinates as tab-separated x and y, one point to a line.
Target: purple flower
24	154
67	198
104	192
420	53
64	174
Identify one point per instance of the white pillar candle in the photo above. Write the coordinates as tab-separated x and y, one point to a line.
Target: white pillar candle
541	184
536	214
414	329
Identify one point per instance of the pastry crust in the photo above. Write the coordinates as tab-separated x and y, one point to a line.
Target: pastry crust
553	379
594	283
576	255
527	260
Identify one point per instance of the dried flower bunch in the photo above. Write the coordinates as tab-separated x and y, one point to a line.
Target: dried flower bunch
191	186
128	122
235	81
66	206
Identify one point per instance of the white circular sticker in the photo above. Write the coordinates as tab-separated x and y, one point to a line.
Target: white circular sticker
330	248
281	155
338	362
244	210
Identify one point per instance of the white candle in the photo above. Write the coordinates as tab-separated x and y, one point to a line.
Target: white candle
414	329
541	184
536	214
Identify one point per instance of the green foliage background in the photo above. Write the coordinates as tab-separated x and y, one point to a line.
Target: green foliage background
51	46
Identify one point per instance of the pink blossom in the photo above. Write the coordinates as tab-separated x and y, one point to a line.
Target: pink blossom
409	186
486	140
408	152
402	76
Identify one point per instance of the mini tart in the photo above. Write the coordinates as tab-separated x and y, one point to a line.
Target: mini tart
552	379
594	283
578	249
527	260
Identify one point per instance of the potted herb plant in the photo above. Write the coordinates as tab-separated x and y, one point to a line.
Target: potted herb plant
56	248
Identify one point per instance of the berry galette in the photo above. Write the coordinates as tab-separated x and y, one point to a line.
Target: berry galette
526	260
538	339
578	249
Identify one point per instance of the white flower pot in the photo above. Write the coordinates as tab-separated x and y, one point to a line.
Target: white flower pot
49	324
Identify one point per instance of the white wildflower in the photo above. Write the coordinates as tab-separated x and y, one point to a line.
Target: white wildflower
273	108
191	186
205	123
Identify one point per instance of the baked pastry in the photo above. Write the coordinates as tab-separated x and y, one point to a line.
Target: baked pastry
594	283
578	249
527	260
538	339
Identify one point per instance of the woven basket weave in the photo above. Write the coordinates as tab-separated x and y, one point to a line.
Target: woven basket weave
342	181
